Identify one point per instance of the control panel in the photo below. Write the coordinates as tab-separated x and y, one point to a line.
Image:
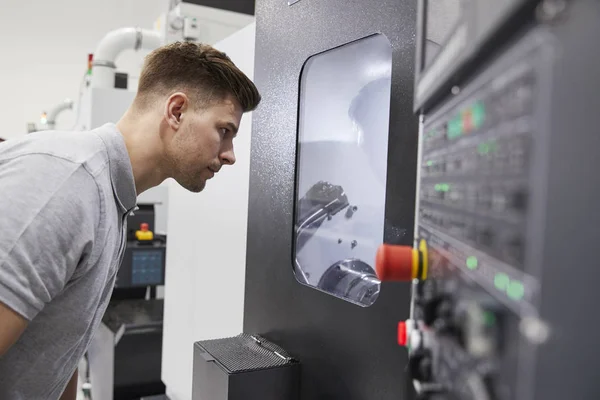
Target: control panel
475	178
504	264
474	214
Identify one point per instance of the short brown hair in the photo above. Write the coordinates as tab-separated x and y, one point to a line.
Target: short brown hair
200	71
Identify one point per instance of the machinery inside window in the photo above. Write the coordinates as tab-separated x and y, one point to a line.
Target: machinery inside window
342	167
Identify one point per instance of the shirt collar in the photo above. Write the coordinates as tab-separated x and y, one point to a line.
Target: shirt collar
121	172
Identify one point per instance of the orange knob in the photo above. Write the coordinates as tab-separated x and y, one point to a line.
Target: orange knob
402	263
396	263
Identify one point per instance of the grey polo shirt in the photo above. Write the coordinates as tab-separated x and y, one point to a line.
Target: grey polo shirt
64	200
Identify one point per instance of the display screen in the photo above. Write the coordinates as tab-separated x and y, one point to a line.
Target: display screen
147	267
442	17
342	165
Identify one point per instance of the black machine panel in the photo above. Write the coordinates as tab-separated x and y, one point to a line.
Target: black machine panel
347	351
507	210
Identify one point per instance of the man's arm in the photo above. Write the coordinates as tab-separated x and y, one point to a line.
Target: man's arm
70	392
12	326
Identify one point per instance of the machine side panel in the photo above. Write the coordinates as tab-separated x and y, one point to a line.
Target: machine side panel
566	364
347	352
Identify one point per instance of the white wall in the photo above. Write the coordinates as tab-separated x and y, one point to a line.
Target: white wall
44	47
206	254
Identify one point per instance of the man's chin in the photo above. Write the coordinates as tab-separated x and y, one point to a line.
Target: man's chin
195	187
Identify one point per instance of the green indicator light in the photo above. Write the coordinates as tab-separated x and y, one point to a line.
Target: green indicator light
442	187
501	281
515	290
478	114
472	262
486	148
455	128
429	163
489	318
483	148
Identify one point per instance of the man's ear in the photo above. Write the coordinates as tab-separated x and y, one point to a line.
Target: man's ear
177	104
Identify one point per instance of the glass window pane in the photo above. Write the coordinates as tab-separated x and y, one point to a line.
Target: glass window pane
341	168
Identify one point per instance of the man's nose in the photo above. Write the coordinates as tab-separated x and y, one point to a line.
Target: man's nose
228	156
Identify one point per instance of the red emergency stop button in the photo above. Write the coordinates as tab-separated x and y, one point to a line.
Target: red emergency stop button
402	333
401	263
396	263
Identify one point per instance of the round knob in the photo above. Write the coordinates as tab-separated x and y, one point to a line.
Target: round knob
396	263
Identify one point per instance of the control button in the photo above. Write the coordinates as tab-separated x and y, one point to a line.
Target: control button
455	127
522	95
518	200
485	236
467	121
514	249
470	232
484	197
144	234
420	365
478	114
401	263
499	201
402	334
396	263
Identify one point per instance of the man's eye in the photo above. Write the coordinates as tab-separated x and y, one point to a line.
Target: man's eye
223	131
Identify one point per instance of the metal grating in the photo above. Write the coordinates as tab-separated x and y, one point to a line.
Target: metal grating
246	352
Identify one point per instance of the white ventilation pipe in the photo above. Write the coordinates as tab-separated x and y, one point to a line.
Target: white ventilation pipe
103	66
67	104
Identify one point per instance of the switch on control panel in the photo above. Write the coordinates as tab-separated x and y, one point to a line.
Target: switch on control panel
401	263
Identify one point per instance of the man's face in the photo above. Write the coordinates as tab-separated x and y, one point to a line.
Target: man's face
204	143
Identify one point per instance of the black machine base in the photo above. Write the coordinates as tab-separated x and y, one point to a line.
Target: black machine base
243	367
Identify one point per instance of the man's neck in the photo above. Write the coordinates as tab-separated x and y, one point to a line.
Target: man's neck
144	148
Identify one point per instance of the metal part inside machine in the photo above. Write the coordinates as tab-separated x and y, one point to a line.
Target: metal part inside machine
342	168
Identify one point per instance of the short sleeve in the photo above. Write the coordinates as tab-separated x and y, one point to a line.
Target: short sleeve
47	225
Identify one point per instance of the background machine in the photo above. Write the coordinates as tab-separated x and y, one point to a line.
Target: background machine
124	358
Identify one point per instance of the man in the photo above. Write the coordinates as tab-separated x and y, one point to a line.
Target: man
65	197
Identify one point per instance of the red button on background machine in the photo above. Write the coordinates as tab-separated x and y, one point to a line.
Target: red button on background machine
144	233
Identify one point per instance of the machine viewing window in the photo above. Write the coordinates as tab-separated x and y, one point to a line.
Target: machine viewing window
342	167
442	18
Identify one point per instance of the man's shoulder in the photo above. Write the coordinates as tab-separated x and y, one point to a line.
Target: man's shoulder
85	149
